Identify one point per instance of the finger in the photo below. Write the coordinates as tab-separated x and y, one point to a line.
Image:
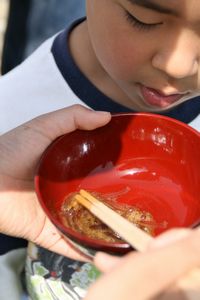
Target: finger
147	275
165	265
169	237
49	237
105	262
69	119
64	248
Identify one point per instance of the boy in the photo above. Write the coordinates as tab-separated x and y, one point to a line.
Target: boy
128	55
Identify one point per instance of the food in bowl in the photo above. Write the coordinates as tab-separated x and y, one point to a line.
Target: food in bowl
80	219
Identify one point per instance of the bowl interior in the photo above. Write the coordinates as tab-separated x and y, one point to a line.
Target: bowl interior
145	160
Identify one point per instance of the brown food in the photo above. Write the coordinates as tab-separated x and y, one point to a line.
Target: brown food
82	220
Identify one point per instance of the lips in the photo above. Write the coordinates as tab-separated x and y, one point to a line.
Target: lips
154	98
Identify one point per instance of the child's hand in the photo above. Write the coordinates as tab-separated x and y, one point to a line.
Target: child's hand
21	148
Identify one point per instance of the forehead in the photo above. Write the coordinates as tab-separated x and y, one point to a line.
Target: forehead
189	9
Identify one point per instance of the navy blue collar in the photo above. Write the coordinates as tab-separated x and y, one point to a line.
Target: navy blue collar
93	97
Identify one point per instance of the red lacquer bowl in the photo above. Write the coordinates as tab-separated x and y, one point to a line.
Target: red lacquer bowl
149	161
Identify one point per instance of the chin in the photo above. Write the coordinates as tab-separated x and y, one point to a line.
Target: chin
160	110
155	109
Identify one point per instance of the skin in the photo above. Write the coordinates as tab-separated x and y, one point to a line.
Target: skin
119	55
149	275
20	151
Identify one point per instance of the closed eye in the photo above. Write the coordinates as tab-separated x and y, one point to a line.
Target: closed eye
139	24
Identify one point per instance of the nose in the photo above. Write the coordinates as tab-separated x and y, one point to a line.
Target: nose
178	59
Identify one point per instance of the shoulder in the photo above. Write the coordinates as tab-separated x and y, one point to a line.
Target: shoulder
33	88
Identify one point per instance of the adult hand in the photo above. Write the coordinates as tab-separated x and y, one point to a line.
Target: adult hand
21	148
151	274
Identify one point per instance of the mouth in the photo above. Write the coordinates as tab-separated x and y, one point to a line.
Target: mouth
157	99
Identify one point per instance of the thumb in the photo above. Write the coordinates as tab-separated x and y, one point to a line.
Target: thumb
38	133
69	119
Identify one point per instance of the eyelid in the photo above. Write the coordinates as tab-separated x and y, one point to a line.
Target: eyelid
140	23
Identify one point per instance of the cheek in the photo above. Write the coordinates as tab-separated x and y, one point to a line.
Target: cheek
119	48
119	51
121	58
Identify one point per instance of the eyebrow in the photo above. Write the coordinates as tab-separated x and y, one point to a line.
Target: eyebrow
154	6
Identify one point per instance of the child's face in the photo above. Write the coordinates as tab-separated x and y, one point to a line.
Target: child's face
149	48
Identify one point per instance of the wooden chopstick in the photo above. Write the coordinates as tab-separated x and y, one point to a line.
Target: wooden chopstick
135	236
